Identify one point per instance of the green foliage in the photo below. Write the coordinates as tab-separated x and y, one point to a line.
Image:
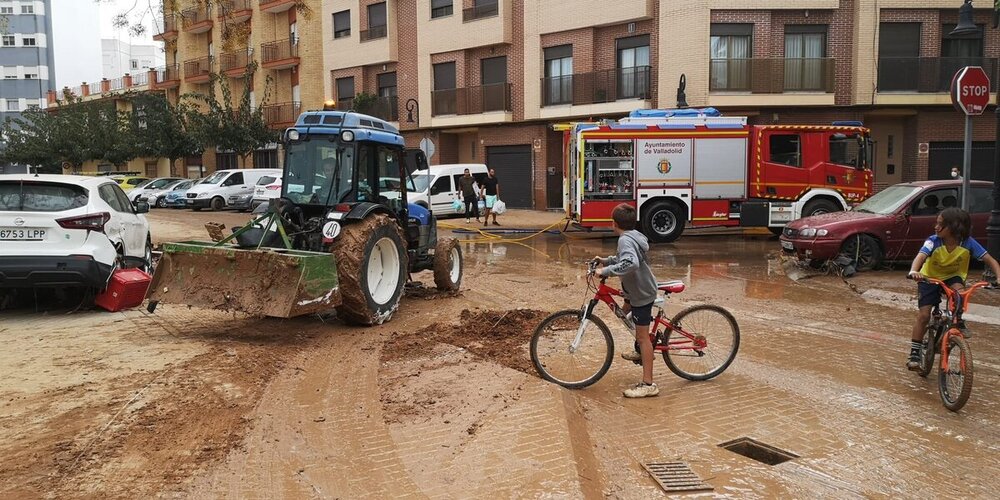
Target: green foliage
365	102
160	129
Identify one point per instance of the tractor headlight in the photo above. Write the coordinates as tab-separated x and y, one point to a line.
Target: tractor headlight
293	135
347	136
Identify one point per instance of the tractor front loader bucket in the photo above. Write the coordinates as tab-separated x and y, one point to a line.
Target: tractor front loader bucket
265	282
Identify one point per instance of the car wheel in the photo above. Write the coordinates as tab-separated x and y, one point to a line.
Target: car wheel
218	204
663	222
148	256
161	202
819	206
863	250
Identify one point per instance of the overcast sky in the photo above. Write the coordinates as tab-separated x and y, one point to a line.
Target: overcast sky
77	29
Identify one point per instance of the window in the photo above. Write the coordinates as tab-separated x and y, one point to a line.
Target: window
376	15
226	161
387	91
898	56
445	97
8	40
13	105
123	201
730	55
441	8
134	63
40	197
844	150
235	179
786	150
932	203
481	9
558	75
265	158
441	185
31	76
633	67
342	24
27	9
957	52
107	193
345	92
28	41
493	71
6	10
805	50
981	201
10	72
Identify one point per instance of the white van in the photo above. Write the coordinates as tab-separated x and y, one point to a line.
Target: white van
217	189
436	187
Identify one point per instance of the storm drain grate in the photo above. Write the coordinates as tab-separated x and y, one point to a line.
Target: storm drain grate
675	476
758	451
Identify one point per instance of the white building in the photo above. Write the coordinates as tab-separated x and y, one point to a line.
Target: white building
120	57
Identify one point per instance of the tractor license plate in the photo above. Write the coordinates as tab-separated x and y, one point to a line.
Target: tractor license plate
21	234
787	245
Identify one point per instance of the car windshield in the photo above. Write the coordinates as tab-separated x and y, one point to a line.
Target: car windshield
887	201
40	197
318	172
420	182
159	183
215	178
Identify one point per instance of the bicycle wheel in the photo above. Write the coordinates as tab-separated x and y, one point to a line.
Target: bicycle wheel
722	336
956	384
556	360
930	348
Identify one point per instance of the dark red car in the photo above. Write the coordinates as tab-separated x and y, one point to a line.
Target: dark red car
889	226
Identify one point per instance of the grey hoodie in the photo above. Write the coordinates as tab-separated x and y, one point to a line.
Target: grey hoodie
638	282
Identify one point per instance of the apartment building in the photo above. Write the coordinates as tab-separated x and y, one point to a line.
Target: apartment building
119	57
26	57
485	80
224	37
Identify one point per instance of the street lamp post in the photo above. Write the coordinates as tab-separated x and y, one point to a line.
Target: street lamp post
412	106
966	26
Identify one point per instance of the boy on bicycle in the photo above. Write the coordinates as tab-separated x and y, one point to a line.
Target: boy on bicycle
945	256
638	288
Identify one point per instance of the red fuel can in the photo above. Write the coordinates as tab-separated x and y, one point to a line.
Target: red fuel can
126	290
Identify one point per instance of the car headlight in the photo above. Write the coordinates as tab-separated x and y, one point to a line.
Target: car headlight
811	232
822	232
202	195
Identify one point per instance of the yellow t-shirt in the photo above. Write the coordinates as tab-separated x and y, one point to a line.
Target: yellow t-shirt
942	264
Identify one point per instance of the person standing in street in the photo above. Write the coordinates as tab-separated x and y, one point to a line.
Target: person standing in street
467	190
491	190
956	173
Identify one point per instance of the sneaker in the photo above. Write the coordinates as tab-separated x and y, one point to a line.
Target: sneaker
632	356
495	223
468	220
641	390
913	364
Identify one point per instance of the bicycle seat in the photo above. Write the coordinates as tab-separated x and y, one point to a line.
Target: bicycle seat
672	286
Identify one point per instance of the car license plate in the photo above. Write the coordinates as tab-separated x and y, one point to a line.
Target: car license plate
787	245
190	202
259	192
22	234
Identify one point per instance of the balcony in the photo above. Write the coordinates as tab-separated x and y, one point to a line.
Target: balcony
386	108
281	54
236	10
197	19
480	12
374	33
234	64
928	74
598	87
167	77
168	29
281	115
471	100
198	70
276	6
772	75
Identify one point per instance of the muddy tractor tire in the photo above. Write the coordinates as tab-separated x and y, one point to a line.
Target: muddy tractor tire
448	265
371	270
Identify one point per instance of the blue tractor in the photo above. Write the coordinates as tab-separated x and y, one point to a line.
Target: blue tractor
342	235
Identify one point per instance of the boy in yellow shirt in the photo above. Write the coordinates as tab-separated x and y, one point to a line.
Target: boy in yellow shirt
945	256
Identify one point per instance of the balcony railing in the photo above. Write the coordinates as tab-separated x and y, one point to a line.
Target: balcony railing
198	68
139	79
237	60
277	114
471	100
195	15
284	4
773	75
386	108
277	51
928	74
229	7
374	32
167	28
169	73
480	12
598	86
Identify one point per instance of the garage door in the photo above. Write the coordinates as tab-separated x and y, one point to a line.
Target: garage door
944	155
513	166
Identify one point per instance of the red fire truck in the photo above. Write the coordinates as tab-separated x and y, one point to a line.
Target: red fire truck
696	166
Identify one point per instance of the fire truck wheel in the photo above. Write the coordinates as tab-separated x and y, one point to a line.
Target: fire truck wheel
819	206
663	222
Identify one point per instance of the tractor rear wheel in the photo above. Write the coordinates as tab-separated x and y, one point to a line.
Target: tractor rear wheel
371	270
447	265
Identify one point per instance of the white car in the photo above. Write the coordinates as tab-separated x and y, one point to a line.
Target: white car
68	231
157	197
267	187
152	187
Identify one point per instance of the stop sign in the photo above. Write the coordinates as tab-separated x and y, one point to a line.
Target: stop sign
970	90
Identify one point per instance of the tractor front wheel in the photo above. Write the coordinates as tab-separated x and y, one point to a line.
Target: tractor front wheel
371	270
447	265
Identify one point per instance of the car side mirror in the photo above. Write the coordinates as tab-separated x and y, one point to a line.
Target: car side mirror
142	207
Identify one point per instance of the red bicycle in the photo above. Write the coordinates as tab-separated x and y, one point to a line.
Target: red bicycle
945	335
574	348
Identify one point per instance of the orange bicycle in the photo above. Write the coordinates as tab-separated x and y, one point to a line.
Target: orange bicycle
945	334
574	348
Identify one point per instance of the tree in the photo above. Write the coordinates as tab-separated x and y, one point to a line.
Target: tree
47	138
233	125
160	129
111	137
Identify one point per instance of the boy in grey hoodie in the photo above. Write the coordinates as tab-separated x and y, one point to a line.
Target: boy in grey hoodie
639	289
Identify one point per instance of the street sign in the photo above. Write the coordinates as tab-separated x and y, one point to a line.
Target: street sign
428	148
970	90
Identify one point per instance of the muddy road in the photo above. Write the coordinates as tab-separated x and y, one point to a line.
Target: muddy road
441	402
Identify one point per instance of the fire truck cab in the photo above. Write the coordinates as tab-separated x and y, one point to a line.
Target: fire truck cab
696	166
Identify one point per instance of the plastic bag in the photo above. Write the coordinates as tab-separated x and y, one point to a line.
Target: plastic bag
458	206
482	206
499	207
